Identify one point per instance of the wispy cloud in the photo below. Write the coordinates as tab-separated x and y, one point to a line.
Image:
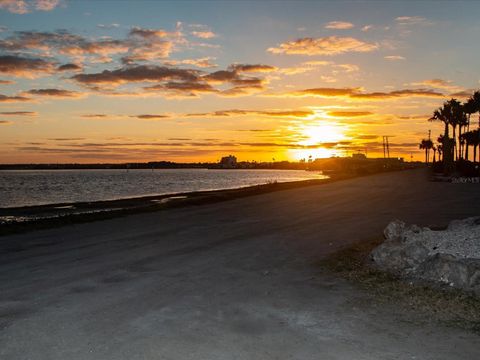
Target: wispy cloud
358	94
438	84
18	113
57	93
108	26
204	34
339	25
205	62
330	45
394	57
14	98
26	6
151	116
413	20
349	113
287	113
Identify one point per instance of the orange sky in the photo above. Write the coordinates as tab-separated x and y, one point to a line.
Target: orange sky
284	81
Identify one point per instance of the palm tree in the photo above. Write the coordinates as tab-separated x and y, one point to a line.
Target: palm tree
476	104
462	121
469	109
440	152
444	114
455	120
466	139
475	142
426	144
472	138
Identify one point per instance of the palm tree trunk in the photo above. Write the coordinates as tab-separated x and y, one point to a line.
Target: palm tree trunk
426	158
466	150
474	154
454	143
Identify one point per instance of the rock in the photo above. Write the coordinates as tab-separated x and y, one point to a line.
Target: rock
450	256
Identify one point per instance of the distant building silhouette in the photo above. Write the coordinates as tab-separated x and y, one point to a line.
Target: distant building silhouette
228	162
359	156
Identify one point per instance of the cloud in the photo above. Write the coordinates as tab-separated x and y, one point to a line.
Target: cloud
205	62
18	113
95	116
462	94
242	90
186	88
108	26
251	68
140	73
349	113
148	33
151	116
46	5
339	25
394	57
66	139
398	94
288	113
174	81
367	28
204	34
348	67
6	82
59	93
438	84
65	43
14	6
5	122
24	6
235	77
151	44
326	92
304	67
69	67
330	45
6	98
25	67
356	93
412	20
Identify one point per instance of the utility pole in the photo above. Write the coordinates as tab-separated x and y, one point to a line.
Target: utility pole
386	147
384	152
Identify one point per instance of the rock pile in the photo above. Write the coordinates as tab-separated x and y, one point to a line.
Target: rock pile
450	257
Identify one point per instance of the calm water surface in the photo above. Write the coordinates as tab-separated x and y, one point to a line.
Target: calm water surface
38	187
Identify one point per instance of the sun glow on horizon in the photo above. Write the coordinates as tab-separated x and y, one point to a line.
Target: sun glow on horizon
319	140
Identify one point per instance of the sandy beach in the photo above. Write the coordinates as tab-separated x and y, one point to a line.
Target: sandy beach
228	280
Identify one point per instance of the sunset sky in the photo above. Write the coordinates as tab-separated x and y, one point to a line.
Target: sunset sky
105	81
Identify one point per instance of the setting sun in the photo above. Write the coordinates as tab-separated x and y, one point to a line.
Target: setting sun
321	132
319	140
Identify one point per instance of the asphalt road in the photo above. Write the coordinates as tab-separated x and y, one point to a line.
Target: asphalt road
231	280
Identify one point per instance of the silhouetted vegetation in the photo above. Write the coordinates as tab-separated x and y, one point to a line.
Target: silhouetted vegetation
454	152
